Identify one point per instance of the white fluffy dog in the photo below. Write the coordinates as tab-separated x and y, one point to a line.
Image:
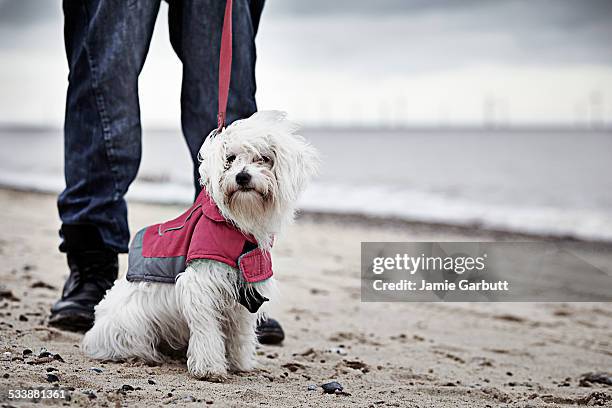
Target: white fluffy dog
201	312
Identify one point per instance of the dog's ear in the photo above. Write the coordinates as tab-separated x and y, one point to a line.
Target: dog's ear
296	162
211	157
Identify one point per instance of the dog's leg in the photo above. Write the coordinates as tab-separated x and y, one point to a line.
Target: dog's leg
239	328
204	291
124	325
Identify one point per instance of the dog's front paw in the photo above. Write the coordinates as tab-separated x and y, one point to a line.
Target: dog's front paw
242	364
202	371
210	376
243	368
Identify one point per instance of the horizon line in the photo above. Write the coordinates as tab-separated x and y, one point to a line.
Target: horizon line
424	126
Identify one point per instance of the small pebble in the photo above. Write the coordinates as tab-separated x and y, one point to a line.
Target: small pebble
312	387
331	387
50	369
23	318
126	387
595	378
90	394
26	352
151	382
6	375
96	369
52	378
8	295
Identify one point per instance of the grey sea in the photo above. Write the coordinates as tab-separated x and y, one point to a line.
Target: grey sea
541	181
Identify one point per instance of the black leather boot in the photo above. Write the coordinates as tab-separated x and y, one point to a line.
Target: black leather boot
93	270
269	331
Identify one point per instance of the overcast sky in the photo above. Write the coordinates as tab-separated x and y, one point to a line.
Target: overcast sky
361	62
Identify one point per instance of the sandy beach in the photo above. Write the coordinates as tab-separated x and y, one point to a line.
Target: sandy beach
384	354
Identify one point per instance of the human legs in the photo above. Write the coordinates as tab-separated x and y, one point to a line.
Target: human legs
195	33
106	44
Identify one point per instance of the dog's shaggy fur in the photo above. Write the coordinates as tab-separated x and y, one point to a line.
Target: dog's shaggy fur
201	311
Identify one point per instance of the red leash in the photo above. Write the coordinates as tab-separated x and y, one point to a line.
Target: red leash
225	64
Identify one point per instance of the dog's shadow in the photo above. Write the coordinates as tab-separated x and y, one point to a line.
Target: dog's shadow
174	357
178	356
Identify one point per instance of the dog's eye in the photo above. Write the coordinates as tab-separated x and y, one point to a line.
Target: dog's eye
230	158
266	159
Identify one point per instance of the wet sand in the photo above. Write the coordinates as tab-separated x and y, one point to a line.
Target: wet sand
384	354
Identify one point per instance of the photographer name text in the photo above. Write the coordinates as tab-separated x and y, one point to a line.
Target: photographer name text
423	285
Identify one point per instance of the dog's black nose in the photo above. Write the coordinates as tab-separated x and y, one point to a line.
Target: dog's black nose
243	178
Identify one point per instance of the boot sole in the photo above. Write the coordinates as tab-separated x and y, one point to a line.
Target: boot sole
72	321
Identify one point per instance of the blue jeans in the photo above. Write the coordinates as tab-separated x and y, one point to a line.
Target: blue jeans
106	44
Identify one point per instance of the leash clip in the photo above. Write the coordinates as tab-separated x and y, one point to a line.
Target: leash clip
220	122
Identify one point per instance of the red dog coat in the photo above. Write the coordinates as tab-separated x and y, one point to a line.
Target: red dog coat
162	251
